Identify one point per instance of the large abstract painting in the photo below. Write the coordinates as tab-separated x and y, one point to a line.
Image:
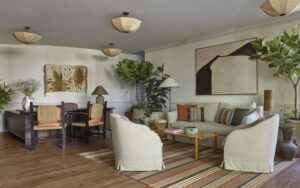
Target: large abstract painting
226	69
65	78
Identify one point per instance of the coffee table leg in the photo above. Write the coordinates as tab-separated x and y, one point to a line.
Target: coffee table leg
173	139
216	142
196	149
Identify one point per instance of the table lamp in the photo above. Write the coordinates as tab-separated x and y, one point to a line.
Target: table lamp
169	83
99	90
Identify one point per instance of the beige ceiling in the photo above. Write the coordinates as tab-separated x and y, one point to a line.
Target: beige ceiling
86	23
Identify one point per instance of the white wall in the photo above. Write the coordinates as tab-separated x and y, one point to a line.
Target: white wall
180	63
24	61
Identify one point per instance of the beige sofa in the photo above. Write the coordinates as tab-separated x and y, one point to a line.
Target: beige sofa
210	111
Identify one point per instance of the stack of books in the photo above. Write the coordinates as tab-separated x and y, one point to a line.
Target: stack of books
174	130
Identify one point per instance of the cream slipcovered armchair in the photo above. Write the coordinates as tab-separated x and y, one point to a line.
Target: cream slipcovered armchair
252	149
136	147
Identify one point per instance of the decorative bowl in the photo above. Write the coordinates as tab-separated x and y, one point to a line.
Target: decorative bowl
190	130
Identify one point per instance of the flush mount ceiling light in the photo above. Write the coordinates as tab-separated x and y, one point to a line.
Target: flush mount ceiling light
126	24
279	7
27	37
111	51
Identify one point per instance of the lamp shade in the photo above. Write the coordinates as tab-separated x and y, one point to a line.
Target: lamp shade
99	90
111	52
168	83
126	24
279	7
268	100
27	37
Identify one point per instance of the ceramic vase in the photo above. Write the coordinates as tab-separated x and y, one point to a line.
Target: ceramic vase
288	147
26	103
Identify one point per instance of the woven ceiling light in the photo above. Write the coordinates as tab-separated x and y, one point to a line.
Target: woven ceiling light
126	24
27	37
111	51
279	7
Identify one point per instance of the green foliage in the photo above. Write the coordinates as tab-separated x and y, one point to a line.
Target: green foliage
136	106
156	97
290	114
5	94
283	55
134	72
27	87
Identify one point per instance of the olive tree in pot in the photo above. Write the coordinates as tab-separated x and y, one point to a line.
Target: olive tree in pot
135	73
5	97
283	55
156	97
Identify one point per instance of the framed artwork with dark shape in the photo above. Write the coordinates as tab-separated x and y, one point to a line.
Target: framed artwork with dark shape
226	69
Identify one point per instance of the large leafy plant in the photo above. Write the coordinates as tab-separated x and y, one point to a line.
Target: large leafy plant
283	55
5	94
134	72
156	97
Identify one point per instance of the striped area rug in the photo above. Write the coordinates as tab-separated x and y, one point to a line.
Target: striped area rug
183	171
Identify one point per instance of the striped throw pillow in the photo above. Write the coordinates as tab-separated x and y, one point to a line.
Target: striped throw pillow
197	114
225	116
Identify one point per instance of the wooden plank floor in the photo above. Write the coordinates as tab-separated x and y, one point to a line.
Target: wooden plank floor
49	166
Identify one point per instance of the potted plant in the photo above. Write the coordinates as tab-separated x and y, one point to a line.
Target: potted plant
283	55
156	97
27	87
135	73
5	97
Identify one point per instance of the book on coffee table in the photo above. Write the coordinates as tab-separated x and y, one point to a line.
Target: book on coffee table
174	130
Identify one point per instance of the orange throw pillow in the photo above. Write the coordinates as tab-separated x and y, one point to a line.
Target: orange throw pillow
183	112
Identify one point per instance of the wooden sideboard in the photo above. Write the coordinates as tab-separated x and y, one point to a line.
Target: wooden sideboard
19	124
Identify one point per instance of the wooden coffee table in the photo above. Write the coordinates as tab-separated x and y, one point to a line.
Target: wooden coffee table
197	138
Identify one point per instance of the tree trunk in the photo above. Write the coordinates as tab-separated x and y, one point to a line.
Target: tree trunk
295	102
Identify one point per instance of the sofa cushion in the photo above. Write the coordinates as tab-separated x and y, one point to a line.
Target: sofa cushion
183	112
196	114
206	126
238	115
250	106
254	115
210	110
225	116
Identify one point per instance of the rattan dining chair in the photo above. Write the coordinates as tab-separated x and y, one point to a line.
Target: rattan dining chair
47	118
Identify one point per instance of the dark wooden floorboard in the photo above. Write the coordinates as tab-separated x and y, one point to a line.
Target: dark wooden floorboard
49	166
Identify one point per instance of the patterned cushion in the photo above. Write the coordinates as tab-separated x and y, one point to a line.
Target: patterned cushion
197	114
183	112
225	116
48	114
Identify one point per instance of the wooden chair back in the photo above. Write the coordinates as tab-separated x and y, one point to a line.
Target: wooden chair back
71	106
97	111
47	114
